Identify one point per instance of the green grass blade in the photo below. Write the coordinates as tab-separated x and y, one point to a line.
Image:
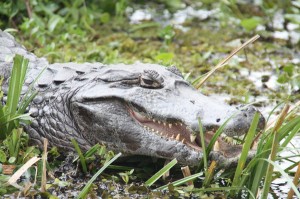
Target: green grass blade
16	82
161	172
15	87
245	150
26	100
272	111
86	188
217	134
81	157
92	150
203	145
181	181
212	141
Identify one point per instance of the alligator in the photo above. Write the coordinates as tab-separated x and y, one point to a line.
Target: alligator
138	109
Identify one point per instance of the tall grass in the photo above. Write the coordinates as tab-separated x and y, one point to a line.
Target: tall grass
10	113
271	142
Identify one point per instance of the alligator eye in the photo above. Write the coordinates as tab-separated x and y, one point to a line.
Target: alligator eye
148	82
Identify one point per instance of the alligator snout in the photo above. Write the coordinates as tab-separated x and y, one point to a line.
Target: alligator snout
240	122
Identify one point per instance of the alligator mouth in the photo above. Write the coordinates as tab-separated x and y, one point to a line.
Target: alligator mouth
177	130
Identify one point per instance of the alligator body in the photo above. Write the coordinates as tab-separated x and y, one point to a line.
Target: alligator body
138	109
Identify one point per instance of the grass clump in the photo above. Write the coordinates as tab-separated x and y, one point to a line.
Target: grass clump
12	114
14	148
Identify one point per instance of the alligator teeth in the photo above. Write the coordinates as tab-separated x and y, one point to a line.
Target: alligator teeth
152	130
193	137
170	125
180	124
229	139
173	137
157	132
153	120
216	146
158	122
178	137
165	124
183	141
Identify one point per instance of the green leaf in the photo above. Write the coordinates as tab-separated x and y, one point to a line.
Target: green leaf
283	78
105	17
289	69
164	58
12	160
53	22
2	156
81	157
251	23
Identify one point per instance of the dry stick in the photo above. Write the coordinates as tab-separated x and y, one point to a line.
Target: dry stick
44	171
187	172
295	181
209	173
13	179
28	8
225	61
166	174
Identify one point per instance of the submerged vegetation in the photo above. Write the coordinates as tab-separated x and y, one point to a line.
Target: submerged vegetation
191	35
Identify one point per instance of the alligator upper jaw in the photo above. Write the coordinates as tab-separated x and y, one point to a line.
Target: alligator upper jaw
181	133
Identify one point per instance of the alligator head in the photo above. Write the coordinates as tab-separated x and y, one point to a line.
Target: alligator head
147	109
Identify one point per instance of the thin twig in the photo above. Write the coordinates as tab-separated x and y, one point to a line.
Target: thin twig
28	8
225	61
44	171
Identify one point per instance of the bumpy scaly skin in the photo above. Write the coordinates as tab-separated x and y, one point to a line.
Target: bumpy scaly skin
95	103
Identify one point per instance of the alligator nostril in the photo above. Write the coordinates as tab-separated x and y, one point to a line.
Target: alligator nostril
245	115
218	120
192	101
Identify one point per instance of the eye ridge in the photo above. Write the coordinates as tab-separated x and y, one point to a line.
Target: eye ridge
151	79
151	73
